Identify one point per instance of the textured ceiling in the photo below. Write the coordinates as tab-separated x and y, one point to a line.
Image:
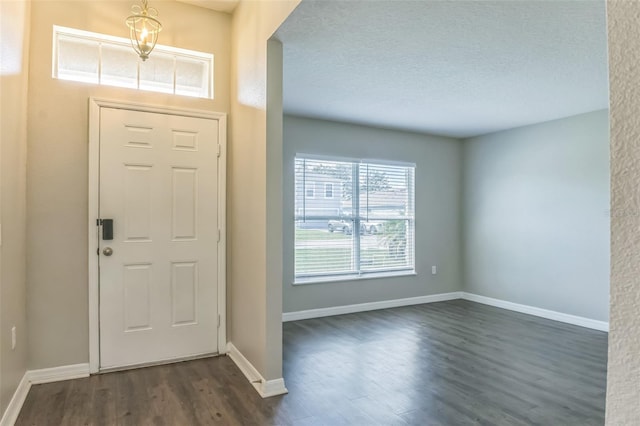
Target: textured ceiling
456	68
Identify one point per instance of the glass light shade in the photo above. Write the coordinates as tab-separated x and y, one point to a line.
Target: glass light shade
143	29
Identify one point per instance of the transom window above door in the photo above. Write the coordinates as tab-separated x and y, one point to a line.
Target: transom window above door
363	225
95	58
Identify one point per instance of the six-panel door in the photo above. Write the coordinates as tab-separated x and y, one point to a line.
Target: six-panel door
158	288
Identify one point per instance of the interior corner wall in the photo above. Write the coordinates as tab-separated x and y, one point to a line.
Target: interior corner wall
536	215
254	313
57	170
623	371
14	65
438	185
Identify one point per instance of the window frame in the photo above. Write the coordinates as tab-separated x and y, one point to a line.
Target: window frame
357	218
180	56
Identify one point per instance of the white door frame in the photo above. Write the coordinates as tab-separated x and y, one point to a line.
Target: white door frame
94	191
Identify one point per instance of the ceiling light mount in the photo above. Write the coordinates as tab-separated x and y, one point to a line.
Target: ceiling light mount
143	28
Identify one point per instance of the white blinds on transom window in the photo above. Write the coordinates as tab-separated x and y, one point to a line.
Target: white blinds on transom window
352	218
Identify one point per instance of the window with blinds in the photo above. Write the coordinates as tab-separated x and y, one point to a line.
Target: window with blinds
353	218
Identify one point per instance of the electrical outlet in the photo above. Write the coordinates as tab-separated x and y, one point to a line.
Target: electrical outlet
13	337
434	270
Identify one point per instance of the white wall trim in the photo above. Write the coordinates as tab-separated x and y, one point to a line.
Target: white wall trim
58	374
273	388
15	405
94	238
34	377
95	104
371	306
538	312
222	227
265	388
385	304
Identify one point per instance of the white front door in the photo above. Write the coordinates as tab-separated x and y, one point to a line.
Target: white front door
158	275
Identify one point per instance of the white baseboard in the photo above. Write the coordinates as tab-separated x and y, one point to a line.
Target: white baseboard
265	388
371	306
273	388
15	405
34	377
385	304
538	312
58	374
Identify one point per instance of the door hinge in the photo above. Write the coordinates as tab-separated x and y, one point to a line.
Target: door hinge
98	222
219	320
219	235
219	150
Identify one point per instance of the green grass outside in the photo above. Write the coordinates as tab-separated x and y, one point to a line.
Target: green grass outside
306	259
316	234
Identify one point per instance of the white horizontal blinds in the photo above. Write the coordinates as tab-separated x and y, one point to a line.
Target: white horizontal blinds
386	192
106	60
335	235
386	214
320	253
323	189
324	226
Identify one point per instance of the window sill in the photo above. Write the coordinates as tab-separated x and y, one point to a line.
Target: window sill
354	277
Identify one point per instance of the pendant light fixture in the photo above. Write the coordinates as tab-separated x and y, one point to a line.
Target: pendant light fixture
143	28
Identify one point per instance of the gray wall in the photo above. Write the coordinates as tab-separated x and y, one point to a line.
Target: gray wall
536	223
438	208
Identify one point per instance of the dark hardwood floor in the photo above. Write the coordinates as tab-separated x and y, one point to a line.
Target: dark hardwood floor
449	363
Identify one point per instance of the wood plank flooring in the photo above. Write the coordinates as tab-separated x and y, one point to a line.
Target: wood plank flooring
449	363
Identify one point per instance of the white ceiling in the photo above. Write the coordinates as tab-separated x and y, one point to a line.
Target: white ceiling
219	5
455	68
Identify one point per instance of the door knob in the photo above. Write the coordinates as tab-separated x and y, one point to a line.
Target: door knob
108	251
